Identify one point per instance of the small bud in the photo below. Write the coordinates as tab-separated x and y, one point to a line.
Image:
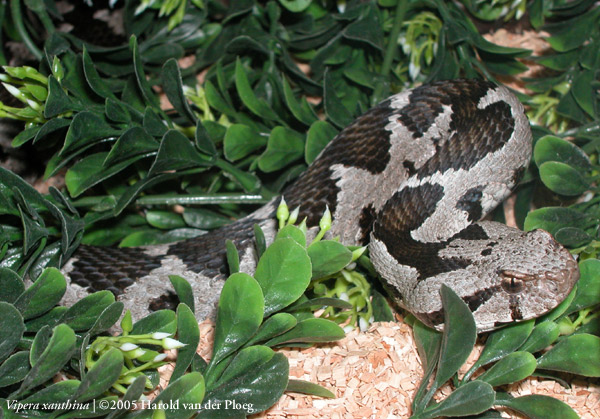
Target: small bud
159	357
126	323
294	216
161	335
14	91
57	69
283	213
325	222
135	354
357	253
302	226
169	343
126	347
363	324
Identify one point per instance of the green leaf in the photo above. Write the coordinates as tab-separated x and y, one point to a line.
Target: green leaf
233	257
309	330
108	318
306	387
203	140
133	394
143	85
84	174
283	272
539	407
11	285
15	368
173	87
12	328
241	140
564	38
133	142
176	152
552	219
165	220
151	237
273	326
470	399
588	286
55	393
153	124
83	314
367	28
283	147
563	179
257	106
335	109
39	344
319	135
58	352
204	219
295	6
158	321
458	337
103	374
51	318
576	354
189	334
93	78
87	128
328	257
502	342
542	336
184	291
302	111
292	232
236	323
246	180
512	368
254	387
44	294
188	390
58	102
572	237
550	148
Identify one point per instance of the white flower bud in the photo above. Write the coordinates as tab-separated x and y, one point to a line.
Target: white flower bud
161	335
126	347
169	343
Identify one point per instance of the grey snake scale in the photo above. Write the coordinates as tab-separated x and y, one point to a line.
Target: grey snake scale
412	177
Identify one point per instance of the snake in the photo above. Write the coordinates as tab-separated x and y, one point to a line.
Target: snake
413	178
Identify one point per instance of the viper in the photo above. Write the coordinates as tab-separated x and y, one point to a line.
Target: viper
412	177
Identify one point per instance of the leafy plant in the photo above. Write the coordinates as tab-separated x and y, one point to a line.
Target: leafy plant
233	140
243	367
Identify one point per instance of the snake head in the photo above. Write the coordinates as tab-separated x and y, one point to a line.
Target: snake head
503	275
533	275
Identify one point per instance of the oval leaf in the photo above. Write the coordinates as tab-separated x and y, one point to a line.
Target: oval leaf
283	272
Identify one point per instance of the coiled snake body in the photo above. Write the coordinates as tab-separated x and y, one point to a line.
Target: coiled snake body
412	177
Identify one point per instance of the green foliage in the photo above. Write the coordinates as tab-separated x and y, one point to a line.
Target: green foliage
516	353
238	138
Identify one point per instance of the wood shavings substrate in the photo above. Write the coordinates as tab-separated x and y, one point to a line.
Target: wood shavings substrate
374	374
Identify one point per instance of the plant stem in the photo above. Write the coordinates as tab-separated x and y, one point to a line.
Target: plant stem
197	199
15	8
392	45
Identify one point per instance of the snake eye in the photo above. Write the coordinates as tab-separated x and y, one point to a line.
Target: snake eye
512	285
513	282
